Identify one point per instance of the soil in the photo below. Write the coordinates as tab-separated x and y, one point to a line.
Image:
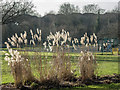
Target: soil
73	82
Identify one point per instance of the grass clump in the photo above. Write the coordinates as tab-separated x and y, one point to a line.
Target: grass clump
87	65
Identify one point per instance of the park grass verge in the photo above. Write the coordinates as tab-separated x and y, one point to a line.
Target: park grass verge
104	67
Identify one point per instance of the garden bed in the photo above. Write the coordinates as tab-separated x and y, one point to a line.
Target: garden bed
71	83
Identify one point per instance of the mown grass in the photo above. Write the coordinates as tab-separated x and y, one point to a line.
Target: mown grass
105	86
107	65
112	86
6	73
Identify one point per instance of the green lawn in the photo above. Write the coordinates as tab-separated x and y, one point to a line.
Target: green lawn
112	86
107	65
6	74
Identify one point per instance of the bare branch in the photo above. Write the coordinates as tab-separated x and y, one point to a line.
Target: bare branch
12	10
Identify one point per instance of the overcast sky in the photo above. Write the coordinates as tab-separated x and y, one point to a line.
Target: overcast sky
44	6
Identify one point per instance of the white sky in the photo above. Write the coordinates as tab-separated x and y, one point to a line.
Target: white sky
43	6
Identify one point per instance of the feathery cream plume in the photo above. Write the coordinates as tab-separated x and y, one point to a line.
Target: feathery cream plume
87	39
20	40
9	40
7	45
31	32
69	39
45	45
32	42
25	35
16	35
38	31
68	34
36	37
91	38
25	41
22	36
13	44
14	39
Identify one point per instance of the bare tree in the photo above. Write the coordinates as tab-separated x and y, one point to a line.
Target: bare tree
93	8
68	8
116	9
11	10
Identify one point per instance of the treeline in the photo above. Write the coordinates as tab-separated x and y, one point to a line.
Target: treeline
104	25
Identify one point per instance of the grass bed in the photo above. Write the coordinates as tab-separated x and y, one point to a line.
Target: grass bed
107	65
